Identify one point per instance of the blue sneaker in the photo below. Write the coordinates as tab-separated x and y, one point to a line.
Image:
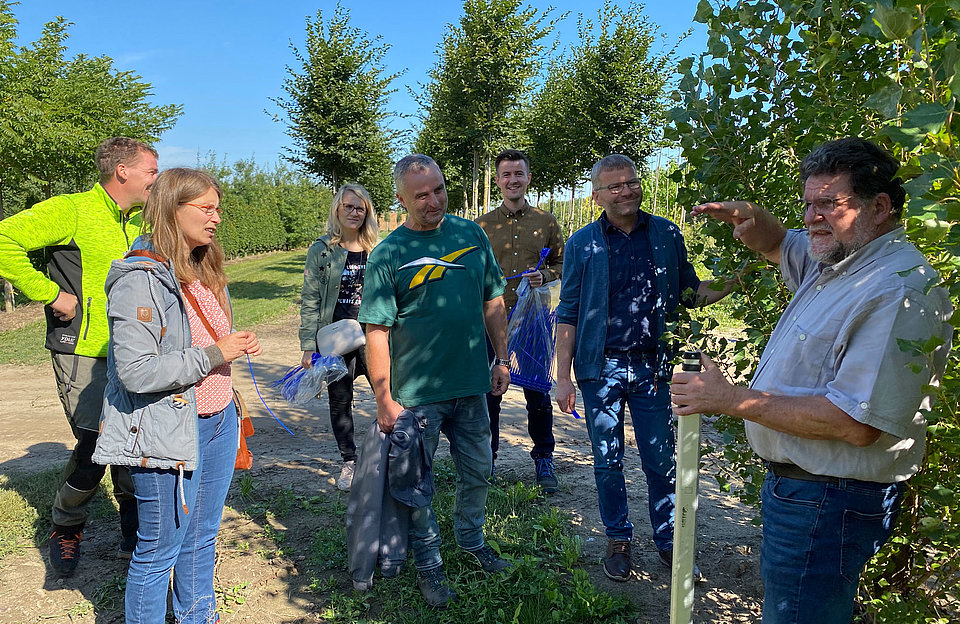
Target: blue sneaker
546	479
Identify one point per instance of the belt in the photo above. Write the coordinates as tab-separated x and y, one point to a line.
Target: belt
792	471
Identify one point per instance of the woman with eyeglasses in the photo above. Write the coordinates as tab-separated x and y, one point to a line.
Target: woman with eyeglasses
168	409
332	291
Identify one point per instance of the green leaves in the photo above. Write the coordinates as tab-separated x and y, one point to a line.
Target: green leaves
335	106
886	101
54	111
894	23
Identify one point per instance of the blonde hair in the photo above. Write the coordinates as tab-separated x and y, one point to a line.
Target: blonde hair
369	233
172	188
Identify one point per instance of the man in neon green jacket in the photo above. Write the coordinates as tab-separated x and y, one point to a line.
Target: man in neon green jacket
81	234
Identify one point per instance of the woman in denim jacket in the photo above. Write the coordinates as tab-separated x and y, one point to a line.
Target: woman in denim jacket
168	409
332	289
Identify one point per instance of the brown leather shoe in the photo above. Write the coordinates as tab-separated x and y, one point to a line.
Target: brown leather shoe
616	565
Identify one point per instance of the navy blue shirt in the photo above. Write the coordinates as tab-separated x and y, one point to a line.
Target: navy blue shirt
632	292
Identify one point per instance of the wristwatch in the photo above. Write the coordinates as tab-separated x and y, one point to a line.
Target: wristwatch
501	362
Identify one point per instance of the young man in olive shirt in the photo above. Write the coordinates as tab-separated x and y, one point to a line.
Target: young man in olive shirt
518	232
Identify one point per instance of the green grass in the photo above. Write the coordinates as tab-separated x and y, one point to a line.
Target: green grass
547	582
25	500
262	289
265	287
25	345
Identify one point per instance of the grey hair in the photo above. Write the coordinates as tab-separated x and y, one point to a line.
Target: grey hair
872	170
610	163
413	162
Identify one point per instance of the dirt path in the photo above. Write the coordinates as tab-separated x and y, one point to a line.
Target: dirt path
34	436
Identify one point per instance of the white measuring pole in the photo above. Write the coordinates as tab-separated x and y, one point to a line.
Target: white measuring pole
685	518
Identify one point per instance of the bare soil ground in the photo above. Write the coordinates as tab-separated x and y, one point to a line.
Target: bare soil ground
35	436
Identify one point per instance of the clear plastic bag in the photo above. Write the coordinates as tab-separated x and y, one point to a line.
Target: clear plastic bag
532	335
301	385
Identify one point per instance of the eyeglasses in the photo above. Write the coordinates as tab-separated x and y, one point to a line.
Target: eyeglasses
617	187
825	205
347	209
207	210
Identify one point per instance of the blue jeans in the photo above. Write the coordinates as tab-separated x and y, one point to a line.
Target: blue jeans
170	538
631	381
816	539
465	423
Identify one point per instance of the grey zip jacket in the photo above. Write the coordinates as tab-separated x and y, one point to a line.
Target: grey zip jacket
149	414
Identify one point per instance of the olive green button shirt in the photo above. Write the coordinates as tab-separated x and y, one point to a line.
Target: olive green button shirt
517	239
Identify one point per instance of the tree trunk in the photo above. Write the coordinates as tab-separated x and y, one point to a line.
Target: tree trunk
476	182
573	211
656	183
7	296
486	186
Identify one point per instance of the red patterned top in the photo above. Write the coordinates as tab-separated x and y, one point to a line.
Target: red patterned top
215	391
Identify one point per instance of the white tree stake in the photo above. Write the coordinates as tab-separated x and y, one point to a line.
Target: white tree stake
685	514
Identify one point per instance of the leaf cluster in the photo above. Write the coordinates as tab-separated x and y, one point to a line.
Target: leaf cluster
335	106
267	209
54	111
604	97
474	100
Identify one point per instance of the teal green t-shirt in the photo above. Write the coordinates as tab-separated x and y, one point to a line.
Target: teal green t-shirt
429	289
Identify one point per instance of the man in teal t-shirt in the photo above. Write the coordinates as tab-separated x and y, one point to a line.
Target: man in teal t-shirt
430	291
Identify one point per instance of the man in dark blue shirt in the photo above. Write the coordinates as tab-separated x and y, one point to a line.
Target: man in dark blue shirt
623	276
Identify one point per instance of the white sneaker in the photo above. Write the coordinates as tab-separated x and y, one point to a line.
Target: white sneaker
346	476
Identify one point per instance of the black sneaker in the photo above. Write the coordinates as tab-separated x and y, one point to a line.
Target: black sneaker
616	565
65	549
545	477
433	586
128	543
666	558
488	560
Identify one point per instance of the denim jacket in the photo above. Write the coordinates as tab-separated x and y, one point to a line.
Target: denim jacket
585	291
321	287
149	414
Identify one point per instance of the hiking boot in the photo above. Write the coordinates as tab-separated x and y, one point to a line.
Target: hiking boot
65	549
493	472
488	560
433	586
666	558
345	480
128	543
545	477
616	565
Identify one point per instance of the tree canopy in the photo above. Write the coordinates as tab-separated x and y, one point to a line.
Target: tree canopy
484	74
54	112
336	107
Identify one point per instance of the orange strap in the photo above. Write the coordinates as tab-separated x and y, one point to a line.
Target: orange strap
146	253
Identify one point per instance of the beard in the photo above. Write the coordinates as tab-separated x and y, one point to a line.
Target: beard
835	251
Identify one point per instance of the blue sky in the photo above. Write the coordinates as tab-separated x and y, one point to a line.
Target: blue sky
223	60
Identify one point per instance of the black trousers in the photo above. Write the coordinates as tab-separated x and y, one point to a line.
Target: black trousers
340	393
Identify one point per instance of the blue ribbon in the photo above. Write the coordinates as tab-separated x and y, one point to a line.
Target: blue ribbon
257	388
543	256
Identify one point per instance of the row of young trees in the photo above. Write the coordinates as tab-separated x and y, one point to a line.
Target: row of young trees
497	83
779	77
266	209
